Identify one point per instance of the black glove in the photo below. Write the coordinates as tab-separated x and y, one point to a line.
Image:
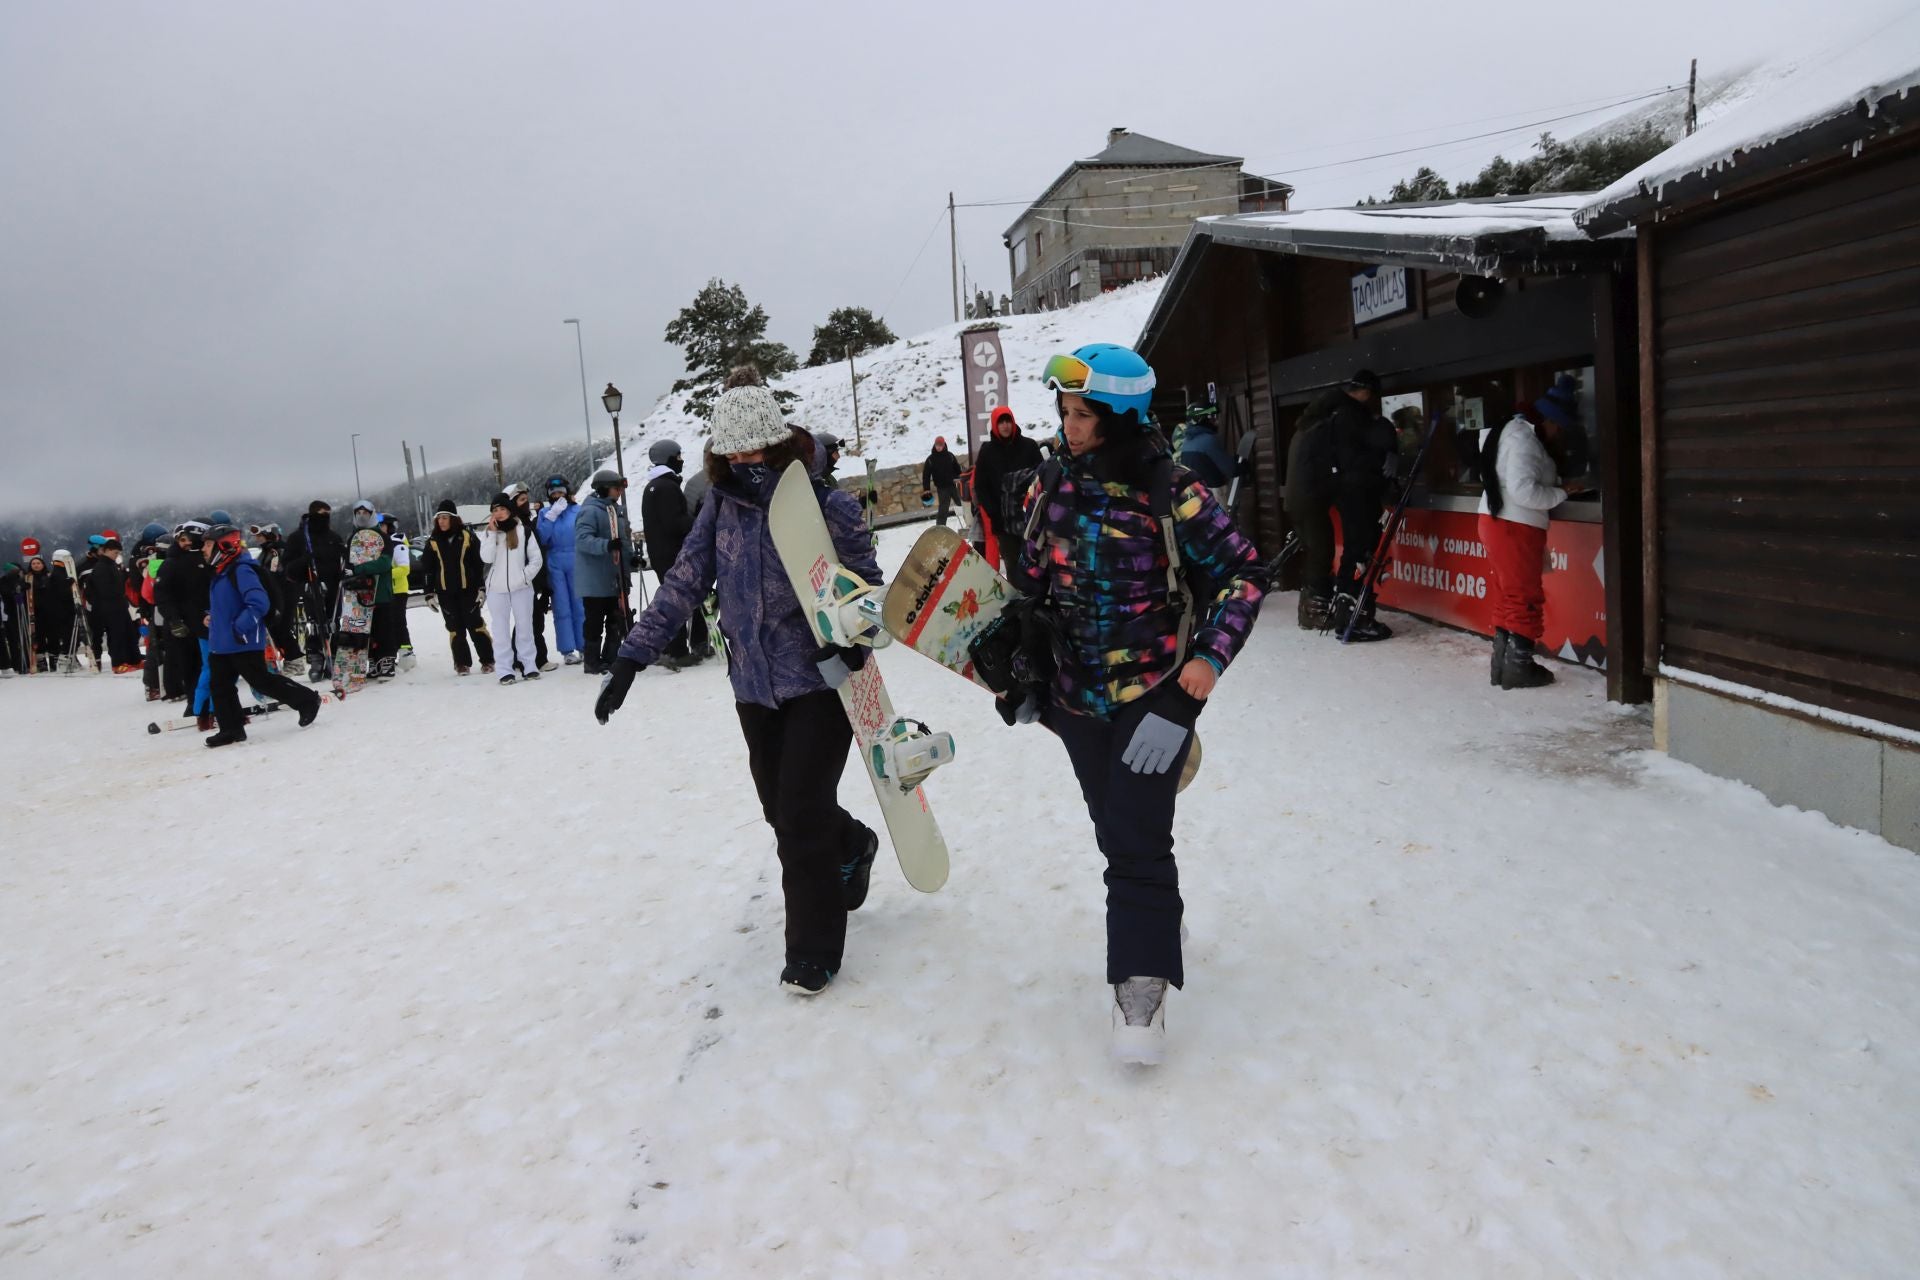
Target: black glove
614	686
1019	707
836	662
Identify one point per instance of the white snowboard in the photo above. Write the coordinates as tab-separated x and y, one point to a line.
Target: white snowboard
807	554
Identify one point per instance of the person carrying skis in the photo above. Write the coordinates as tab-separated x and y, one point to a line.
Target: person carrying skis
512	556
940	473
317	561
1004	457
454	578
664	523
556	528
601	537
237	609
1142	636
795	727
1522	487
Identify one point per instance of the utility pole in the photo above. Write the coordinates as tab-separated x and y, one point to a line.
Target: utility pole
499	468
580	349
953	246
1693	84
413	493
855	379
426	495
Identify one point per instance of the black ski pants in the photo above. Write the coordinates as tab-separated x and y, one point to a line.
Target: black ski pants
542	604
1359	531
604	627
796	755
182	672
225	670
1314	528
1133	826
461	612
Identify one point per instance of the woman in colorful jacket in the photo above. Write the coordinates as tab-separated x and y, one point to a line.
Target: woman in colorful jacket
556	526
1134	668
783	682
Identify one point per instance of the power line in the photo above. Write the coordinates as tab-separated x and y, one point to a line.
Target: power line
916	260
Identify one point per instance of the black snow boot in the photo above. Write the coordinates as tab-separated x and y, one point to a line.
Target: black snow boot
1518	670
227	739
857	873
1500	637
805	978
1312	612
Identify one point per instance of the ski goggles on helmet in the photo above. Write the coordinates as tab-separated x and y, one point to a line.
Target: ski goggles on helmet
1074	376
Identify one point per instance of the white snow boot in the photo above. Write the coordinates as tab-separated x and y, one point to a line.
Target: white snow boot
293	667
1140	1021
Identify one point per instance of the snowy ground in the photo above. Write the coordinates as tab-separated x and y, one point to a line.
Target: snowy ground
458	983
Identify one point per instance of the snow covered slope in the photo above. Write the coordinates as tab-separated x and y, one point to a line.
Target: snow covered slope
458	983
910	390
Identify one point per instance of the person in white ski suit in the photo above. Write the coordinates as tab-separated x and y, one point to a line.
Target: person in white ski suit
512	556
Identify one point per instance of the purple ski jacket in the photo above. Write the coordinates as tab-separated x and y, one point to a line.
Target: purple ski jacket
770	647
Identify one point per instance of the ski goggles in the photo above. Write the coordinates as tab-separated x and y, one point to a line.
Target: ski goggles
1074	376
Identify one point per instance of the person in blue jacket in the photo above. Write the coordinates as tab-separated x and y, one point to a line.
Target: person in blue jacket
555	529
236	621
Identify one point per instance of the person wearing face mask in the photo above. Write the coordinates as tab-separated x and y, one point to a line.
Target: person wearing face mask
600	571
316	562
512	556
1005	456
237	608
1151	592
795	726
664	522
556	527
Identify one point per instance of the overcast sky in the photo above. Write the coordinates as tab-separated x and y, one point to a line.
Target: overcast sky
235	233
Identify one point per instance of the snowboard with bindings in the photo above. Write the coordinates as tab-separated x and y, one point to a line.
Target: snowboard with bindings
944	596
800	535
350	656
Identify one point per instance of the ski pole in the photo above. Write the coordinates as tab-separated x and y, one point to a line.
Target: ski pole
1382	549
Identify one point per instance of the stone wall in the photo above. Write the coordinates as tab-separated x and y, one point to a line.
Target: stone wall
899	487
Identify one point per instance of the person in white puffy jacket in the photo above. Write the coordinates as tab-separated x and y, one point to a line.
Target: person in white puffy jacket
512	556
1522	486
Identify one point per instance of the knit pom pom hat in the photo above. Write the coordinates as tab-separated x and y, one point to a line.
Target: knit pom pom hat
746	420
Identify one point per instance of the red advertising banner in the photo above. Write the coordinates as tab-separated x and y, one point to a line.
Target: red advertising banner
1439	571
983	369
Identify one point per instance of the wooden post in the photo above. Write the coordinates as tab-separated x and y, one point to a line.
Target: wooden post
953	248
1649	450
1616	409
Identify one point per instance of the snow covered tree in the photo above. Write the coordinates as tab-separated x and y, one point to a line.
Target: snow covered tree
720	330
1425	184
1554	166
854	327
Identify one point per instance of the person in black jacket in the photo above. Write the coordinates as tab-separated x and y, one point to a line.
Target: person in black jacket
941	472
50	604
665	520
998	488
316	562
180	597
454	582
103	588
1364	452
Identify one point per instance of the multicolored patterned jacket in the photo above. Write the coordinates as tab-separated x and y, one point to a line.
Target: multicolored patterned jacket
1099	552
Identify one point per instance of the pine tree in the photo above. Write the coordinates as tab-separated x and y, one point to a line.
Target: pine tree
720	330
1553	166
847	327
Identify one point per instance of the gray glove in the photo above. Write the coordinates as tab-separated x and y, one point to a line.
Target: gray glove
433	603
1156	741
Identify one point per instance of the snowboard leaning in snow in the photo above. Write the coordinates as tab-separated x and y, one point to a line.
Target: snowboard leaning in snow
807	554
944	596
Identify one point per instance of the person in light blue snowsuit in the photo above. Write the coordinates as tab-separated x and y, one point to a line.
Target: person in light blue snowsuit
555	529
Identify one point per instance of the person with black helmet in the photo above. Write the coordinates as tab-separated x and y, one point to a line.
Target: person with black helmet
180	598
556	527
664	523
271	558
1364	454
601	570
237	608
316	561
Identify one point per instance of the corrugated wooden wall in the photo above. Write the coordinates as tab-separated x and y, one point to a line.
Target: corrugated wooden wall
1787	363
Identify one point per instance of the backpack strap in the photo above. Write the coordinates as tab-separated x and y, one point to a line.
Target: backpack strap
1160	502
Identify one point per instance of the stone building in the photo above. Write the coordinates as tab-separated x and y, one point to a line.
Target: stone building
1122	216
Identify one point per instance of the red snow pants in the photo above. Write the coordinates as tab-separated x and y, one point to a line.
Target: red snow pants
1516	554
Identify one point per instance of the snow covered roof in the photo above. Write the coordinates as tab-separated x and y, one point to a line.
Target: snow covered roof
1129	150
1527	235
1825	109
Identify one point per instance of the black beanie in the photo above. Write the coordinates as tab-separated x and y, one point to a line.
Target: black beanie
502	499
446	508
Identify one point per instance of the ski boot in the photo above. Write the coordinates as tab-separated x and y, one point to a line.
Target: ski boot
1140	1021
1312	611
294	667
1500	638
1518	670
224	739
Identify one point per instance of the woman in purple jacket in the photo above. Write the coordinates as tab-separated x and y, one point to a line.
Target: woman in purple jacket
783	681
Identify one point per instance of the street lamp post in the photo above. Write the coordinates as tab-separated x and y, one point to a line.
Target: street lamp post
611	398
356	466
580	348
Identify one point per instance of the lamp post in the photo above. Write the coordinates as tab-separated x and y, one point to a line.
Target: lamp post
611	398
580	348
356	466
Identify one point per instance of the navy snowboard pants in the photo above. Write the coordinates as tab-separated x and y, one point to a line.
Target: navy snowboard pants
1133	825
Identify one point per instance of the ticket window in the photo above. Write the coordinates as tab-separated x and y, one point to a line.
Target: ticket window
1466	406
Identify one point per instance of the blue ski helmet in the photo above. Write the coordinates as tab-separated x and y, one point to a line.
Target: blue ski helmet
155	532
219	517
1113	375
